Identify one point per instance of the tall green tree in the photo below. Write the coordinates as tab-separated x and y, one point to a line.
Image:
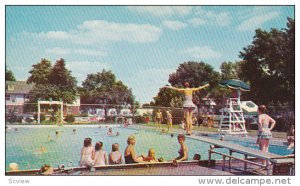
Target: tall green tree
39	74
9	76
228	70
51	83
168	98
103	88
269	65
61	77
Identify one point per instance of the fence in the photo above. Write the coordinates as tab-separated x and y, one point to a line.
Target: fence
284	116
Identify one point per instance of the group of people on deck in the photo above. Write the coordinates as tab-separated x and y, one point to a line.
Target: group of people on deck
158	119
97	156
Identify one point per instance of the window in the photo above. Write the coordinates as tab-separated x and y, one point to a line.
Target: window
10	87
7	97
69	110
13	98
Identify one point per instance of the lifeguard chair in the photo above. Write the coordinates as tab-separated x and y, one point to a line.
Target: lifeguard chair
232	120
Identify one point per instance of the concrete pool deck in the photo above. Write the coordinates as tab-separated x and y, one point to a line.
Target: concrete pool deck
191	168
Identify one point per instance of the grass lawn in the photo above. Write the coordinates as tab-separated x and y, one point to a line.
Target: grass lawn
276	134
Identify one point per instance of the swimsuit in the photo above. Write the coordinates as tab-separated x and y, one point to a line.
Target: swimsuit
86	158
181	154
128	159
188	101
100	157
265	132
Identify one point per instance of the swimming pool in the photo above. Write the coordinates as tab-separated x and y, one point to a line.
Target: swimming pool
32	146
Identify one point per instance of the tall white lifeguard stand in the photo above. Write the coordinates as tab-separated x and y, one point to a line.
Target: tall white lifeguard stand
61	103
232	121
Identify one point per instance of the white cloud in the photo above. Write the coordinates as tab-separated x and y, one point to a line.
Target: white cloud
89	52
204	52
57	35
66	51
205	17
58	51
257	20
174	25
161	11
197	21
99	31
80	69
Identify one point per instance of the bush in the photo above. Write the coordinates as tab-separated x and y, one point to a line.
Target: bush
14	119
42	117
110	119
139	119
177	116
69	118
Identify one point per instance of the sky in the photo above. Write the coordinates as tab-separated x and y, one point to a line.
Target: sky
141	45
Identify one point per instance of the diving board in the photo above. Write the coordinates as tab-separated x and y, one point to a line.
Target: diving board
247	152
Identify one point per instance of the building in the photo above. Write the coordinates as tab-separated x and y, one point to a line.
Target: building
16	94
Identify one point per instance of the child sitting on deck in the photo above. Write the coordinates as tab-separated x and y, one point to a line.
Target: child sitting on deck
87	153
115	157
100	157
150	157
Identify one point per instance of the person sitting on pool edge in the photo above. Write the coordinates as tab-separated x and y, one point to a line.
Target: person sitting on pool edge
100	157
115	157
183	151
197	157
87	153
46	170
13	166
150	157
129	154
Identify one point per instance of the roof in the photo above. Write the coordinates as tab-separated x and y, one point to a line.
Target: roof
18	87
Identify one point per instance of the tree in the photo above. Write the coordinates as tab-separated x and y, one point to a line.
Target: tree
168	98
61	77
51	83
197	74
40	72
269	65
103	88
228	71
9	76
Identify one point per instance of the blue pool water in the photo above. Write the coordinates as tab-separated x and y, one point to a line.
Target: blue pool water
23	146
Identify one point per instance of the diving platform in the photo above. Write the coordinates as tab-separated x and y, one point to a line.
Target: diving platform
250	154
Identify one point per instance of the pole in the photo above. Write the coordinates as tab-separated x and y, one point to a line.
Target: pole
39	110
61	112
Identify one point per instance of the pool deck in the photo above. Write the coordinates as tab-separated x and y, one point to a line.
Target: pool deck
191	168
181	170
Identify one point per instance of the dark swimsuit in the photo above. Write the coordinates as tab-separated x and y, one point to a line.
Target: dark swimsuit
181	154
128	159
